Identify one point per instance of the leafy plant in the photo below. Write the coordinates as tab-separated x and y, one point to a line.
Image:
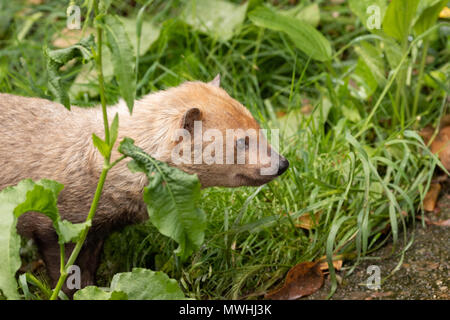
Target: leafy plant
140	284
171	197
40	196
304	36
400	20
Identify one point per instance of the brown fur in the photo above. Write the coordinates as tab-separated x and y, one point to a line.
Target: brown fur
41	139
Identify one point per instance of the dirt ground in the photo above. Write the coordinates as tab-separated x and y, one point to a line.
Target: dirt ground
424	273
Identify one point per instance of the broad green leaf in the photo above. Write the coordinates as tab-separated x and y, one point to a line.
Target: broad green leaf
393	52
399	17
423	5
252	4
70	232
437	75
101	145
144	284
172	198
217	18
370	12
304	36
373	58
122	57
114	130
96	293
40	196
140	284
88	74
428	17
149	33
365	83
57	58
43	199
104	5
10	198
351	113
309	13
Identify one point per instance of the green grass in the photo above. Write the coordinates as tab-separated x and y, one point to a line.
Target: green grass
363	176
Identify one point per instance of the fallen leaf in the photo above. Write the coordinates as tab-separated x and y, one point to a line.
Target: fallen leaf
445	121
441	146
442	223
426	133
307	222
429	202
302	280
337	264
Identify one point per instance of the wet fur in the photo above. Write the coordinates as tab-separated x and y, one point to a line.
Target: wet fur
41	139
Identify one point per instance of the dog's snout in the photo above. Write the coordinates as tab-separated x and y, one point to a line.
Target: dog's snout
283	165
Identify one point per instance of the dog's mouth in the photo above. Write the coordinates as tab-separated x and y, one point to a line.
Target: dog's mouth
254	181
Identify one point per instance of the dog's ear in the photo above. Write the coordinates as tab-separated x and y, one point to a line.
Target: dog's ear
189	117
216	81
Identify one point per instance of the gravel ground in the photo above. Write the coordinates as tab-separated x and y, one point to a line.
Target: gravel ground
424	273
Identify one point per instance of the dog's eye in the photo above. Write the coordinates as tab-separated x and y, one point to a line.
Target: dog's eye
242	143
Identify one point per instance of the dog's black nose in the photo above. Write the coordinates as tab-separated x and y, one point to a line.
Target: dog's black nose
283	165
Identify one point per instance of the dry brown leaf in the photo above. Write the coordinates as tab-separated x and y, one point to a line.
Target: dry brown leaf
441	146
337	264
429	202
302	280
440	223
441	143
445	121
426	133
307	222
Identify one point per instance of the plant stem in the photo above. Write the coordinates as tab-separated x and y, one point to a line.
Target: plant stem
401	86
83	236
62	256
101	85
106	167
80	242
419	80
